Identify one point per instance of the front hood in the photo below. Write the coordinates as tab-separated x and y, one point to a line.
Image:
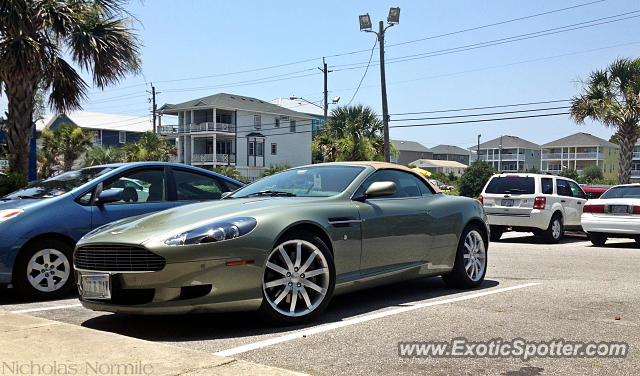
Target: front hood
614	201
21	204
166	223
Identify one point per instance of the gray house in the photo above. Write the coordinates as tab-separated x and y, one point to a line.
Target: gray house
509	153
451	153
409	151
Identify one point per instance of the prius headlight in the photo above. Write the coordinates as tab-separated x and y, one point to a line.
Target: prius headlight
214	232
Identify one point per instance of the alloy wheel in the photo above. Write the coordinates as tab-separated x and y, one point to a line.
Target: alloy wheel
296	278
556	228
48	270
474	255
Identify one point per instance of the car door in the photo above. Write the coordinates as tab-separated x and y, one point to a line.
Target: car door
144	190
579	197
394	228
193	186
569	204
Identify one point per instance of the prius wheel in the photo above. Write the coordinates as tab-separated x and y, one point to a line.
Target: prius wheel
43	270
597	239
470	265
298	280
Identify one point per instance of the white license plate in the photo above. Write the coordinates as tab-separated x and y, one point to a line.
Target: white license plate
618	209
507	202
96	286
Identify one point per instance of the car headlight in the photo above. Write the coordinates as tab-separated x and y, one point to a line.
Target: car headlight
9	213
214	232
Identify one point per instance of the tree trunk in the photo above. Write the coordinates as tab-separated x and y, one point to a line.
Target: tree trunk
627	136
20	93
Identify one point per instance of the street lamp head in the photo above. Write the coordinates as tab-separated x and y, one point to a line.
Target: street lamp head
293	97
394	16
336	100
365	22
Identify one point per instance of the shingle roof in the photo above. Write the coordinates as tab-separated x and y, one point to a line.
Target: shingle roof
507	142
580	139
401	145
449	149
437	163
232	102
97	120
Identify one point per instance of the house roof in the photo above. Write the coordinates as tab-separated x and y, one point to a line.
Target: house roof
299	105
449	149
580	139
437	163
401	145
507	142
97	120
232	102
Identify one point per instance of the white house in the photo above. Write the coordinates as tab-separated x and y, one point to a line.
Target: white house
245	132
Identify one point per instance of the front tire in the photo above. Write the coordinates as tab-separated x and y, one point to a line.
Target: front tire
298	280
44	270
554	232
470	265
597	239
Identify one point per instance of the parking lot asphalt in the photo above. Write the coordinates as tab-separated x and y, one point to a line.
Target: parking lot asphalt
534	291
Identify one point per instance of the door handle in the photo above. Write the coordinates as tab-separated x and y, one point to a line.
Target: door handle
579	202
563	201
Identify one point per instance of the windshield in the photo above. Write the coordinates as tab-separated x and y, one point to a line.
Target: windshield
622	192
320	181
59	184
511	185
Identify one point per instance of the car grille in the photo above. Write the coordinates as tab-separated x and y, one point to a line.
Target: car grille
115	258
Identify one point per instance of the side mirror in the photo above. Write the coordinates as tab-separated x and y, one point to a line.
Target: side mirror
380	189
225	195
108	196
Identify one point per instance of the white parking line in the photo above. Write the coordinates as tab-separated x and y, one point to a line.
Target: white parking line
46	308
361	319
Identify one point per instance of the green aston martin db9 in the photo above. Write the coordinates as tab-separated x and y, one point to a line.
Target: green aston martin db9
285	244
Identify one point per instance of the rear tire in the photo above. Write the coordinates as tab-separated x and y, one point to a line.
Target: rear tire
598	239
44	270
470	265
554	232
496	233
289	296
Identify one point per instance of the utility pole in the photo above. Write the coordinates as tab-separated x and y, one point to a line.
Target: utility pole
365	25
326	91
154	106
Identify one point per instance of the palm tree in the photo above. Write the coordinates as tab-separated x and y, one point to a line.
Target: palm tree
98	155
48	155
274	169
35	38
229	171
353	133
612	97
150	147
67	140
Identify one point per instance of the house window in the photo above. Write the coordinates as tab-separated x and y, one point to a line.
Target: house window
274	149
277	124
256	148
292	125
97	140
257	122
122	137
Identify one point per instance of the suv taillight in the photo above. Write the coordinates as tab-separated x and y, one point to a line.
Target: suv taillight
540	203
593	209
481	199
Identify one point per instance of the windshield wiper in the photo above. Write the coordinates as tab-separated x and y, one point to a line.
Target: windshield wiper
268	192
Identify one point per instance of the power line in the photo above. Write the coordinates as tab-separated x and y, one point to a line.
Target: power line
485	114
481	108
478	121
365	72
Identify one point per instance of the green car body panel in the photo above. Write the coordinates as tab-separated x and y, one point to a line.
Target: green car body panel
373	242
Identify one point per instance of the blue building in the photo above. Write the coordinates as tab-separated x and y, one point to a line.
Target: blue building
33	167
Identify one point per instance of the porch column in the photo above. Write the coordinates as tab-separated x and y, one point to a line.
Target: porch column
184	150
179	145
517	159
191	151
597	155
215	150
575	158
215	127
193	121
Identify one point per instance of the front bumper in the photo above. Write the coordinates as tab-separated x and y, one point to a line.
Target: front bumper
610	224
535	219
199	286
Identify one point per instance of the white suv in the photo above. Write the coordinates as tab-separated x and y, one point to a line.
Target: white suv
543	204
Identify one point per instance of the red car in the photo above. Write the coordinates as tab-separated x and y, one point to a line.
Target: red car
594	192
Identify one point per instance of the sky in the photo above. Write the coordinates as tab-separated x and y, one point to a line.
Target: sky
196	48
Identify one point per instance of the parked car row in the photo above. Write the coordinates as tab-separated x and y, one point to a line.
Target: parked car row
284	244
548	205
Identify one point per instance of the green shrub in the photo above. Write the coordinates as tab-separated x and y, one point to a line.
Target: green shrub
11	183
474	178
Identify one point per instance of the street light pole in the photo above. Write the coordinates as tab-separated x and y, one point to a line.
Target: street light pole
365	25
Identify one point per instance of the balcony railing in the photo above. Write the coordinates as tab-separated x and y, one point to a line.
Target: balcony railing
210	158
505	157
208	127
570	156
635	173
167	129
636	155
